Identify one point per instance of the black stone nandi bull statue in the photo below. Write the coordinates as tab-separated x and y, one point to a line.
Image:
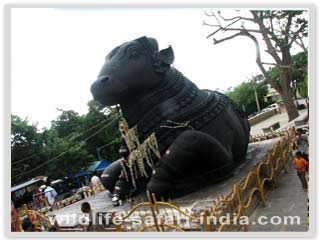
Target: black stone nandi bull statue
198	136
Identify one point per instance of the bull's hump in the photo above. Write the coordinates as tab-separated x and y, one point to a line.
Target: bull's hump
160	100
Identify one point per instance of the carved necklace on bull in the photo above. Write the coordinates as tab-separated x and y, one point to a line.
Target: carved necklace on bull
139	153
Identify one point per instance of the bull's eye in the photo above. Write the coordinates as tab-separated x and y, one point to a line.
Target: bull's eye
134	54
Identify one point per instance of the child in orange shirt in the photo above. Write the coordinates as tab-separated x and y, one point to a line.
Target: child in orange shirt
300	165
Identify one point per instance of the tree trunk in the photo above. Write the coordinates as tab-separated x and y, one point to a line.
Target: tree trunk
286	94
289	104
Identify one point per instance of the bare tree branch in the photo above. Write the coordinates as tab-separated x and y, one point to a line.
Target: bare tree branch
234	18
259	62
293	40
230	24
278	36
240	29
274	84
217	19
210	25
209	14
258	55
215	41
271	23
227	27
274	64
301	44
232	29
287	29
296	33
271	49
219	25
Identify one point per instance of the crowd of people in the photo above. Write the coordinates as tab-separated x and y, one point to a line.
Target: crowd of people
301	157
29	223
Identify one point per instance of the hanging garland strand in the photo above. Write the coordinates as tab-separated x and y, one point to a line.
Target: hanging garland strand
140	153
177	125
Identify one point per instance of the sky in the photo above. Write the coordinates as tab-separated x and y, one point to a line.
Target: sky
56	54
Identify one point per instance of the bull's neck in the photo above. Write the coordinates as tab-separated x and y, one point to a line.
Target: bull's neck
135	109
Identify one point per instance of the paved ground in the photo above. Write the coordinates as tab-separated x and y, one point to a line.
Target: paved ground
281	118
288	199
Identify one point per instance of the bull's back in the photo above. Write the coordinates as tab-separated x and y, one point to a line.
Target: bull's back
191	108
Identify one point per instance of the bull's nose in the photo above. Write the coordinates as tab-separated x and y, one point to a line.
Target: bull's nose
103	79
94	88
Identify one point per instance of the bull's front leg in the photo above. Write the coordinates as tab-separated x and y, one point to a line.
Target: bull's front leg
110	175
189	149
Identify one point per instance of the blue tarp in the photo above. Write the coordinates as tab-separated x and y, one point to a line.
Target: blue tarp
75	175
98	165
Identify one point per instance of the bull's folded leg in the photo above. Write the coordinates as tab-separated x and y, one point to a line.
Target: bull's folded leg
110	175
122	188
189	151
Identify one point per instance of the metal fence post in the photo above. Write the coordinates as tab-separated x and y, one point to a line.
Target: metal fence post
153	212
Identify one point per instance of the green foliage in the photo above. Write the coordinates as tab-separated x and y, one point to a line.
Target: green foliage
304	87
244	96
274	74
75	159
67	123
72	137
25	141
299	71
96	115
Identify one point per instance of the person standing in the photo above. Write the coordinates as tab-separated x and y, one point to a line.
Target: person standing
28	226
95	183
50	193
300	165
92	224
86	209
302	144
15	226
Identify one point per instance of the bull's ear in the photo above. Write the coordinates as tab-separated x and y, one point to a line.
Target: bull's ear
163	59
167	55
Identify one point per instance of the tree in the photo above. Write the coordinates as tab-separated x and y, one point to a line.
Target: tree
244	96
98	128
303	88
107	141
279	30
299	74
69	146
25	141
68	123
68	157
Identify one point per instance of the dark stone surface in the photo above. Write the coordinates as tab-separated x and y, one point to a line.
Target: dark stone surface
214	138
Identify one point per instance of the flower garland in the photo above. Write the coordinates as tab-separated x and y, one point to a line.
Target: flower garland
177	124
124	171
140	153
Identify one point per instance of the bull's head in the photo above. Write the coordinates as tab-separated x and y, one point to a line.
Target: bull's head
131	69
